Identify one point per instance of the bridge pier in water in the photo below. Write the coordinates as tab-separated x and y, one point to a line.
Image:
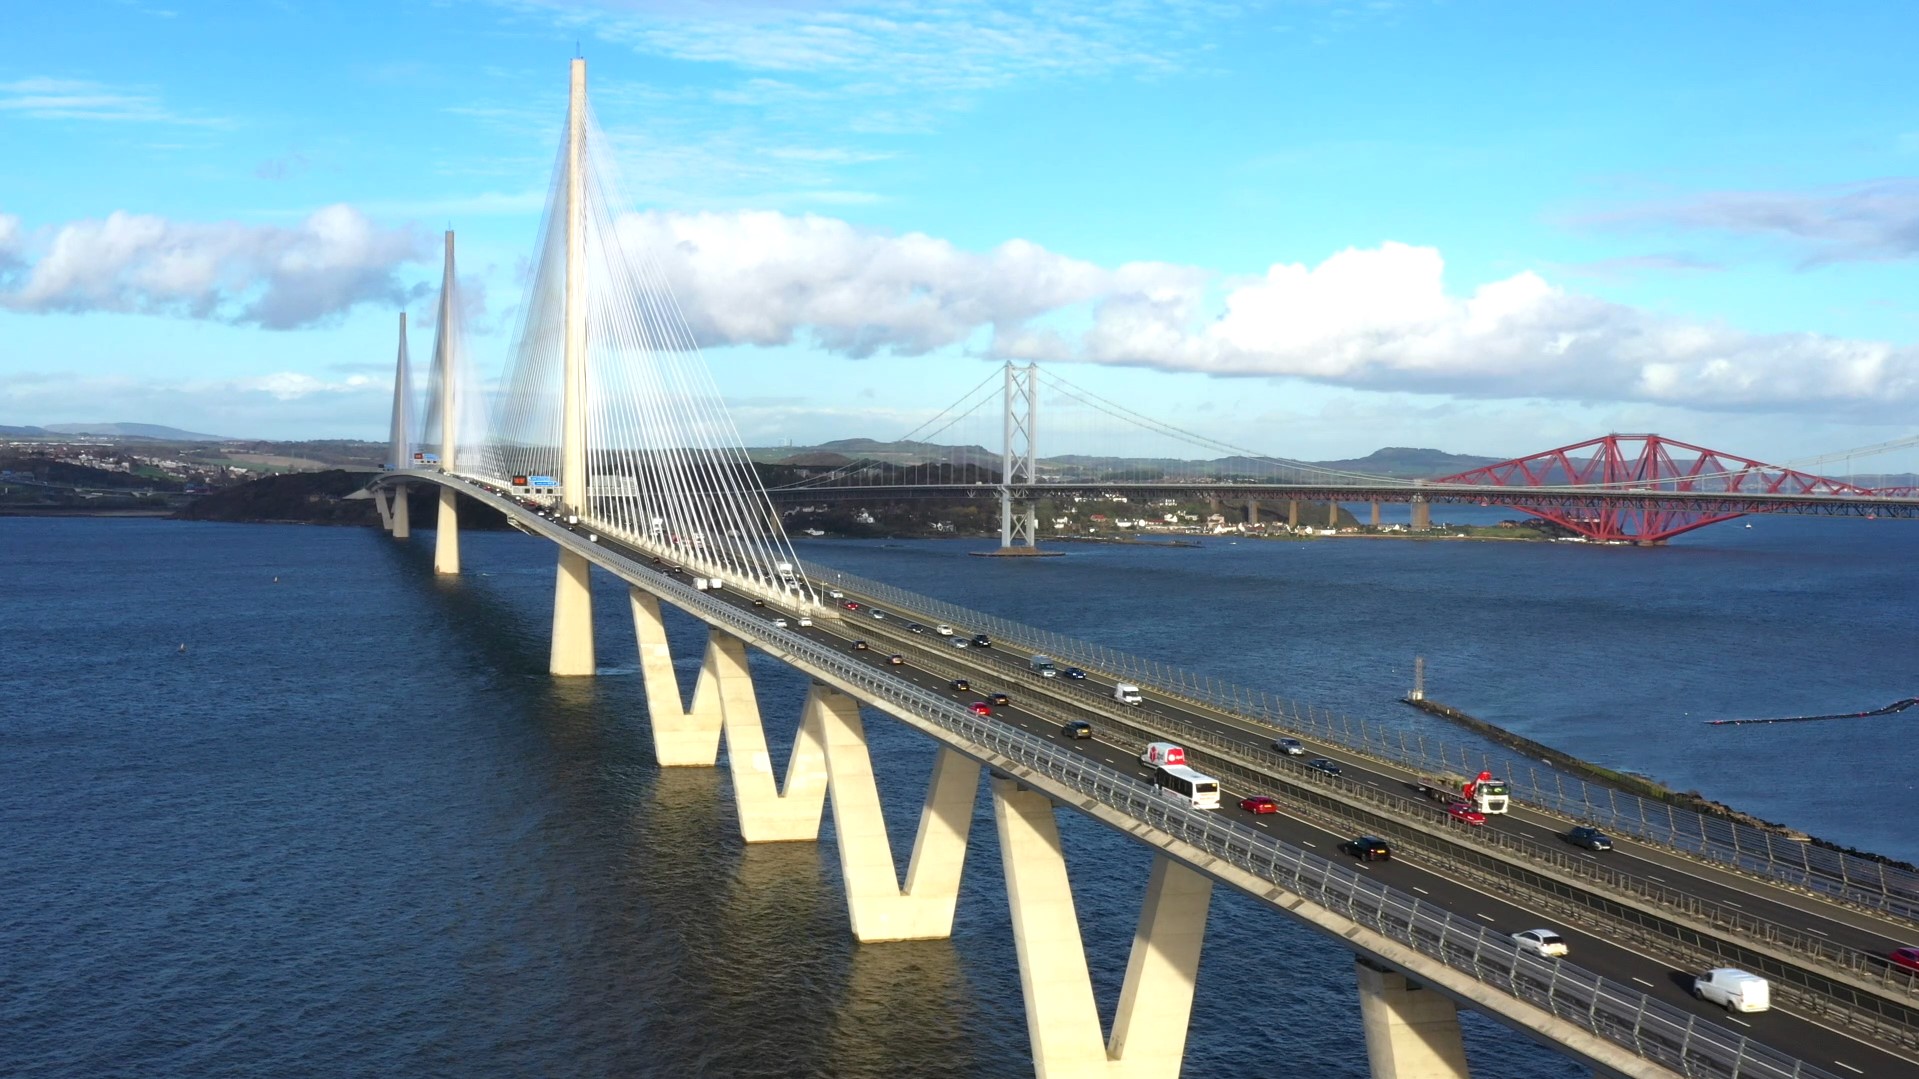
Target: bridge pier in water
572	646
402	523
446	535
1411	1032
1375	513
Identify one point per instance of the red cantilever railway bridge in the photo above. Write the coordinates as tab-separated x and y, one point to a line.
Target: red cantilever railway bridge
1642	489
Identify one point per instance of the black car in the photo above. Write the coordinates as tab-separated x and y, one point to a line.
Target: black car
1000	699
1078	728
915	627
960	685
1331	768
1589	838
1367	848
1074	673
981	640
859	646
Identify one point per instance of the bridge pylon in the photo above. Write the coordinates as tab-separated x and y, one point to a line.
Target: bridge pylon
572	649
1018	514
400	443
446	533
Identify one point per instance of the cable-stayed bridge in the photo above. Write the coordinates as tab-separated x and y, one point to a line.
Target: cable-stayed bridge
611	443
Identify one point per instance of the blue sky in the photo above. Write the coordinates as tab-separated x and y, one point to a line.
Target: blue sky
1310	227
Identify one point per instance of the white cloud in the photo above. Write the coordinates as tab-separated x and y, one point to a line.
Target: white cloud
274	277
1380	318
1874	220
764	278
44	98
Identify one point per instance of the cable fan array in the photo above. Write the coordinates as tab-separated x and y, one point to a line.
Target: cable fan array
667	471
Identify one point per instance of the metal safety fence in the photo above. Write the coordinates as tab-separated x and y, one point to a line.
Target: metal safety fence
1645	1026
1849	878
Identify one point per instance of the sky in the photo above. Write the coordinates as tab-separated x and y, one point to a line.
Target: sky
1310	227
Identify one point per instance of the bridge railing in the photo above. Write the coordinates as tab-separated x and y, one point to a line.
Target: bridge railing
1624	1016
1863	882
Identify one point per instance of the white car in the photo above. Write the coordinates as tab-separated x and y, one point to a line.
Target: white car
1541	942
835	594
779	623
961	642
943	630
806	620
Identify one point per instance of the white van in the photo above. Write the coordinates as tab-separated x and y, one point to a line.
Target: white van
1126	693
1181	782
1738	990
1043	666
1158	753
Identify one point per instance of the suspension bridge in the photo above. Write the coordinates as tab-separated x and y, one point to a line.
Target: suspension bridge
1640	489
610	442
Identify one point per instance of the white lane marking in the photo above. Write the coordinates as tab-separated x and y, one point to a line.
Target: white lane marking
1850	1068
1310	843
1821	932
1420	890
1644	982
1661	880
1729	902
1741	1022
1487	917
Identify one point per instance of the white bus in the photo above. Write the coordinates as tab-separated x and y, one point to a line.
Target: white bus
1179	781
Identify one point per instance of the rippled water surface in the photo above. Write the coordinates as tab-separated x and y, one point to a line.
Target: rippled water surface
354	829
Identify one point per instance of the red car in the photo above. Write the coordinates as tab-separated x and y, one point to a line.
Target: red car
1465	814
1905	957
981	708
850	605
1259	803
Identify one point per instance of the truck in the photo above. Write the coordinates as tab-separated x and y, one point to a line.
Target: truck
1043	666
1162	753
1126	693
1483	792
784	570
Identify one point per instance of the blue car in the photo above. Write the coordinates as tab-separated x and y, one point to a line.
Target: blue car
1073	672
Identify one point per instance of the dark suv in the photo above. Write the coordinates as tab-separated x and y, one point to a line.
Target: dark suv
981	640
1367	848
1078	728
1589	838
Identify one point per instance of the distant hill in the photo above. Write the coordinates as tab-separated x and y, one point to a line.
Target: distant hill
7	431
157	432
1402	461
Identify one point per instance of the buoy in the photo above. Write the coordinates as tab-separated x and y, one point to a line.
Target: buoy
276	580
183	648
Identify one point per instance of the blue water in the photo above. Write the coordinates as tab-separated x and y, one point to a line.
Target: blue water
354	829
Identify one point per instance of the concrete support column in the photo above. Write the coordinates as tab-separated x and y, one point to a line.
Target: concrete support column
879	908
1375	513
1422	514
1411	1032
572	653
1212	503
1252	511
1332	515
1062	1020
402	525
1292	513
768	814
1161	973
683	737
446	534
383	501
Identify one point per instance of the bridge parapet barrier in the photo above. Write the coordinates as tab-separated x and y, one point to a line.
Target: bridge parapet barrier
1645	1026
1836	875
1815	974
